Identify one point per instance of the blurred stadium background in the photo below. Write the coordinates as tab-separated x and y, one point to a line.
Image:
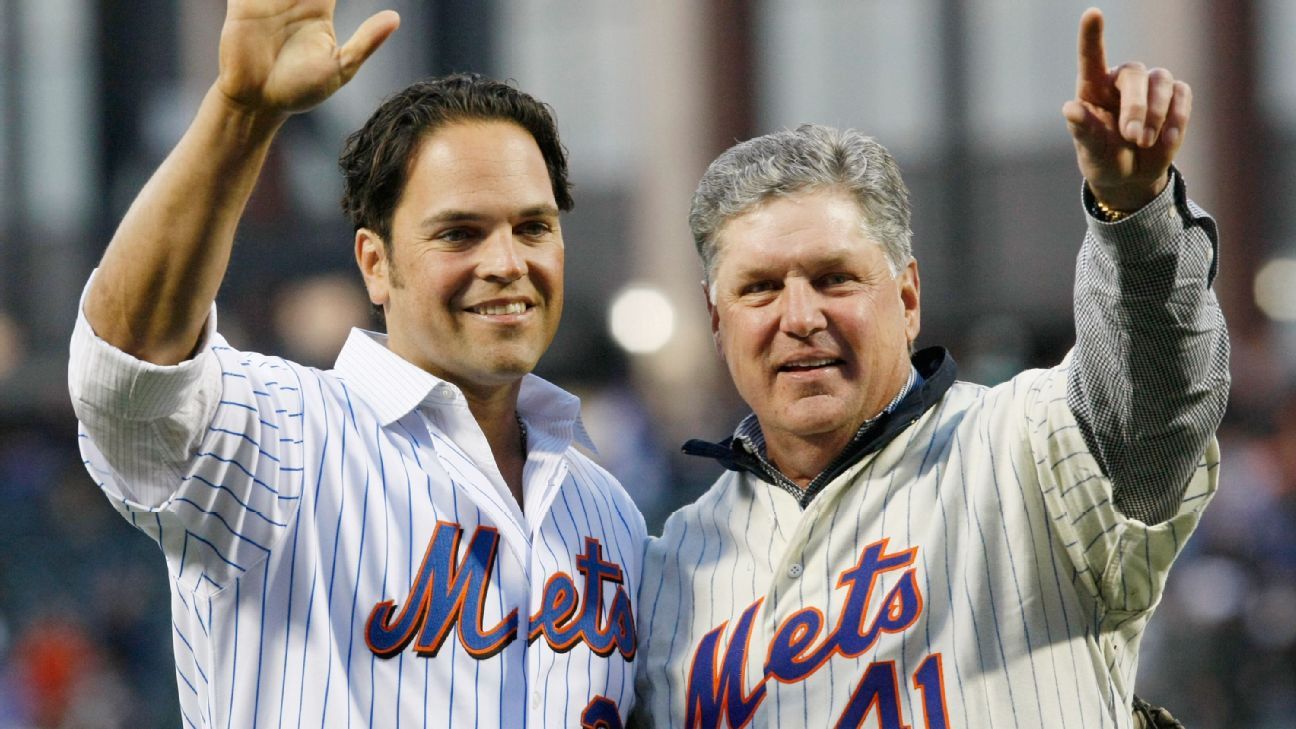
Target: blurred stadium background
966	93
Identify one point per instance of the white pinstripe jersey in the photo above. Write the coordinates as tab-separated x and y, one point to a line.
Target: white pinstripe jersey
338	557
971	573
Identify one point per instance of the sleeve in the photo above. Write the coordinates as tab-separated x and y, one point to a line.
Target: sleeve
1121	561
1149	376
203	456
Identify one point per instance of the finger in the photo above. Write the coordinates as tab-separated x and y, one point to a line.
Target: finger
1176	124
1132	84
1160	91
1092	82
365	40
1086	126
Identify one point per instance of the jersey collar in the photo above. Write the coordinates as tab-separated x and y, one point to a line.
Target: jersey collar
394	386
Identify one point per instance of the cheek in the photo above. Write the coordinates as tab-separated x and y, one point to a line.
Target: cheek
742	343
545	270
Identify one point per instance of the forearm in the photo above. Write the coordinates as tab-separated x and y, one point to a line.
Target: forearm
160	273
1149	377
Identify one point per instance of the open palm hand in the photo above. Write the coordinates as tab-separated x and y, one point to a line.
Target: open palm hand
282	56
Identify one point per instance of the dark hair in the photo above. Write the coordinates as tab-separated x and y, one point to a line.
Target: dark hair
375	160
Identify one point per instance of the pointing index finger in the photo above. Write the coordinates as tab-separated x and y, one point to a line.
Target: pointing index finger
1092	68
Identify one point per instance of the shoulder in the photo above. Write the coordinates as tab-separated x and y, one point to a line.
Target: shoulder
1018	393
263	379
589	476
703	519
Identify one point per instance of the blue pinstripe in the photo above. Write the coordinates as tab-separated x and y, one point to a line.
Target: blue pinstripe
945	543
580	494
805	690
386	552
994	610
208	512
234	660
217	552
186	680
240	502
211	711
620	535
246	471
337	536
454	645
1039	571
679	590
575	539
242	405
261	628
310	599
1066	617
246	437
548	674
355	592
1012	567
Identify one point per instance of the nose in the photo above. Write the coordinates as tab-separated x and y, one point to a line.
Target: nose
503	257
802	313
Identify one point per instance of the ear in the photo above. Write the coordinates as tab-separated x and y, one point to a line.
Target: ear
714	314
371	257
910	298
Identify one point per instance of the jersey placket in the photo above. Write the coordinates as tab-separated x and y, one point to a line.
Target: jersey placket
514	584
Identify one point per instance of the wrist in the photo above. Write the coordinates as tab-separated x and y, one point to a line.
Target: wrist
1118	201
242	120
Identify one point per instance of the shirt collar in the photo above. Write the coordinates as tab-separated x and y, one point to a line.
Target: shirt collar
394	386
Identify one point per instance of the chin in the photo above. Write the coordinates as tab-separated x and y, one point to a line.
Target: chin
812	418
513	367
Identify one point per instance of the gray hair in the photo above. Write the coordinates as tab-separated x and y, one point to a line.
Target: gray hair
809	158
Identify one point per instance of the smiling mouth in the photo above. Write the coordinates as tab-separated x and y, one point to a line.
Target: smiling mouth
513	307
809	365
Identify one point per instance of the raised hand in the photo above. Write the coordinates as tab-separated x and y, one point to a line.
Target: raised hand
1127	122
282	56
160	273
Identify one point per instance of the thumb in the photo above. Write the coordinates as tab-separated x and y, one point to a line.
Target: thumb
1086	127
365	40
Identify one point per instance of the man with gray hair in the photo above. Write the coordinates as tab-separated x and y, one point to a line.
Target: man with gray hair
891	547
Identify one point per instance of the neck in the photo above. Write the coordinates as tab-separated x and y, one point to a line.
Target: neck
801	458
496	414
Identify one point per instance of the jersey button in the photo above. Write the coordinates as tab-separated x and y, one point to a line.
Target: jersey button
535	700
795	570
443	392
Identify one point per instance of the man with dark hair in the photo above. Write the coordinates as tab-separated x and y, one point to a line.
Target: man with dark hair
376	157
890	547
409	538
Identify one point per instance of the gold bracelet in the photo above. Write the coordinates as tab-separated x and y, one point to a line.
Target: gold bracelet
1108	214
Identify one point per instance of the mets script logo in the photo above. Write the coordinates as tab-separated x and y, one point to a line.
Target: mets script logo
450	589
717	688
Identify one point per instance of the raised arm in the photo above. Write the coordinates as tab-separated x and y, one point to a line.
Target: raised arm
160	273
1149	376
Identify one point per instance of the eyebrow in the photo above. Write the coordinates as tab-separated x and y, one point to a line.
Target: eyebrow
468	216
755	269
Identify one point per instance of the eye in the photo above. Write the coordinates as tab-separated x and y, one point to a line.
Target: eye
534	229
757	287
835	279
457	236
